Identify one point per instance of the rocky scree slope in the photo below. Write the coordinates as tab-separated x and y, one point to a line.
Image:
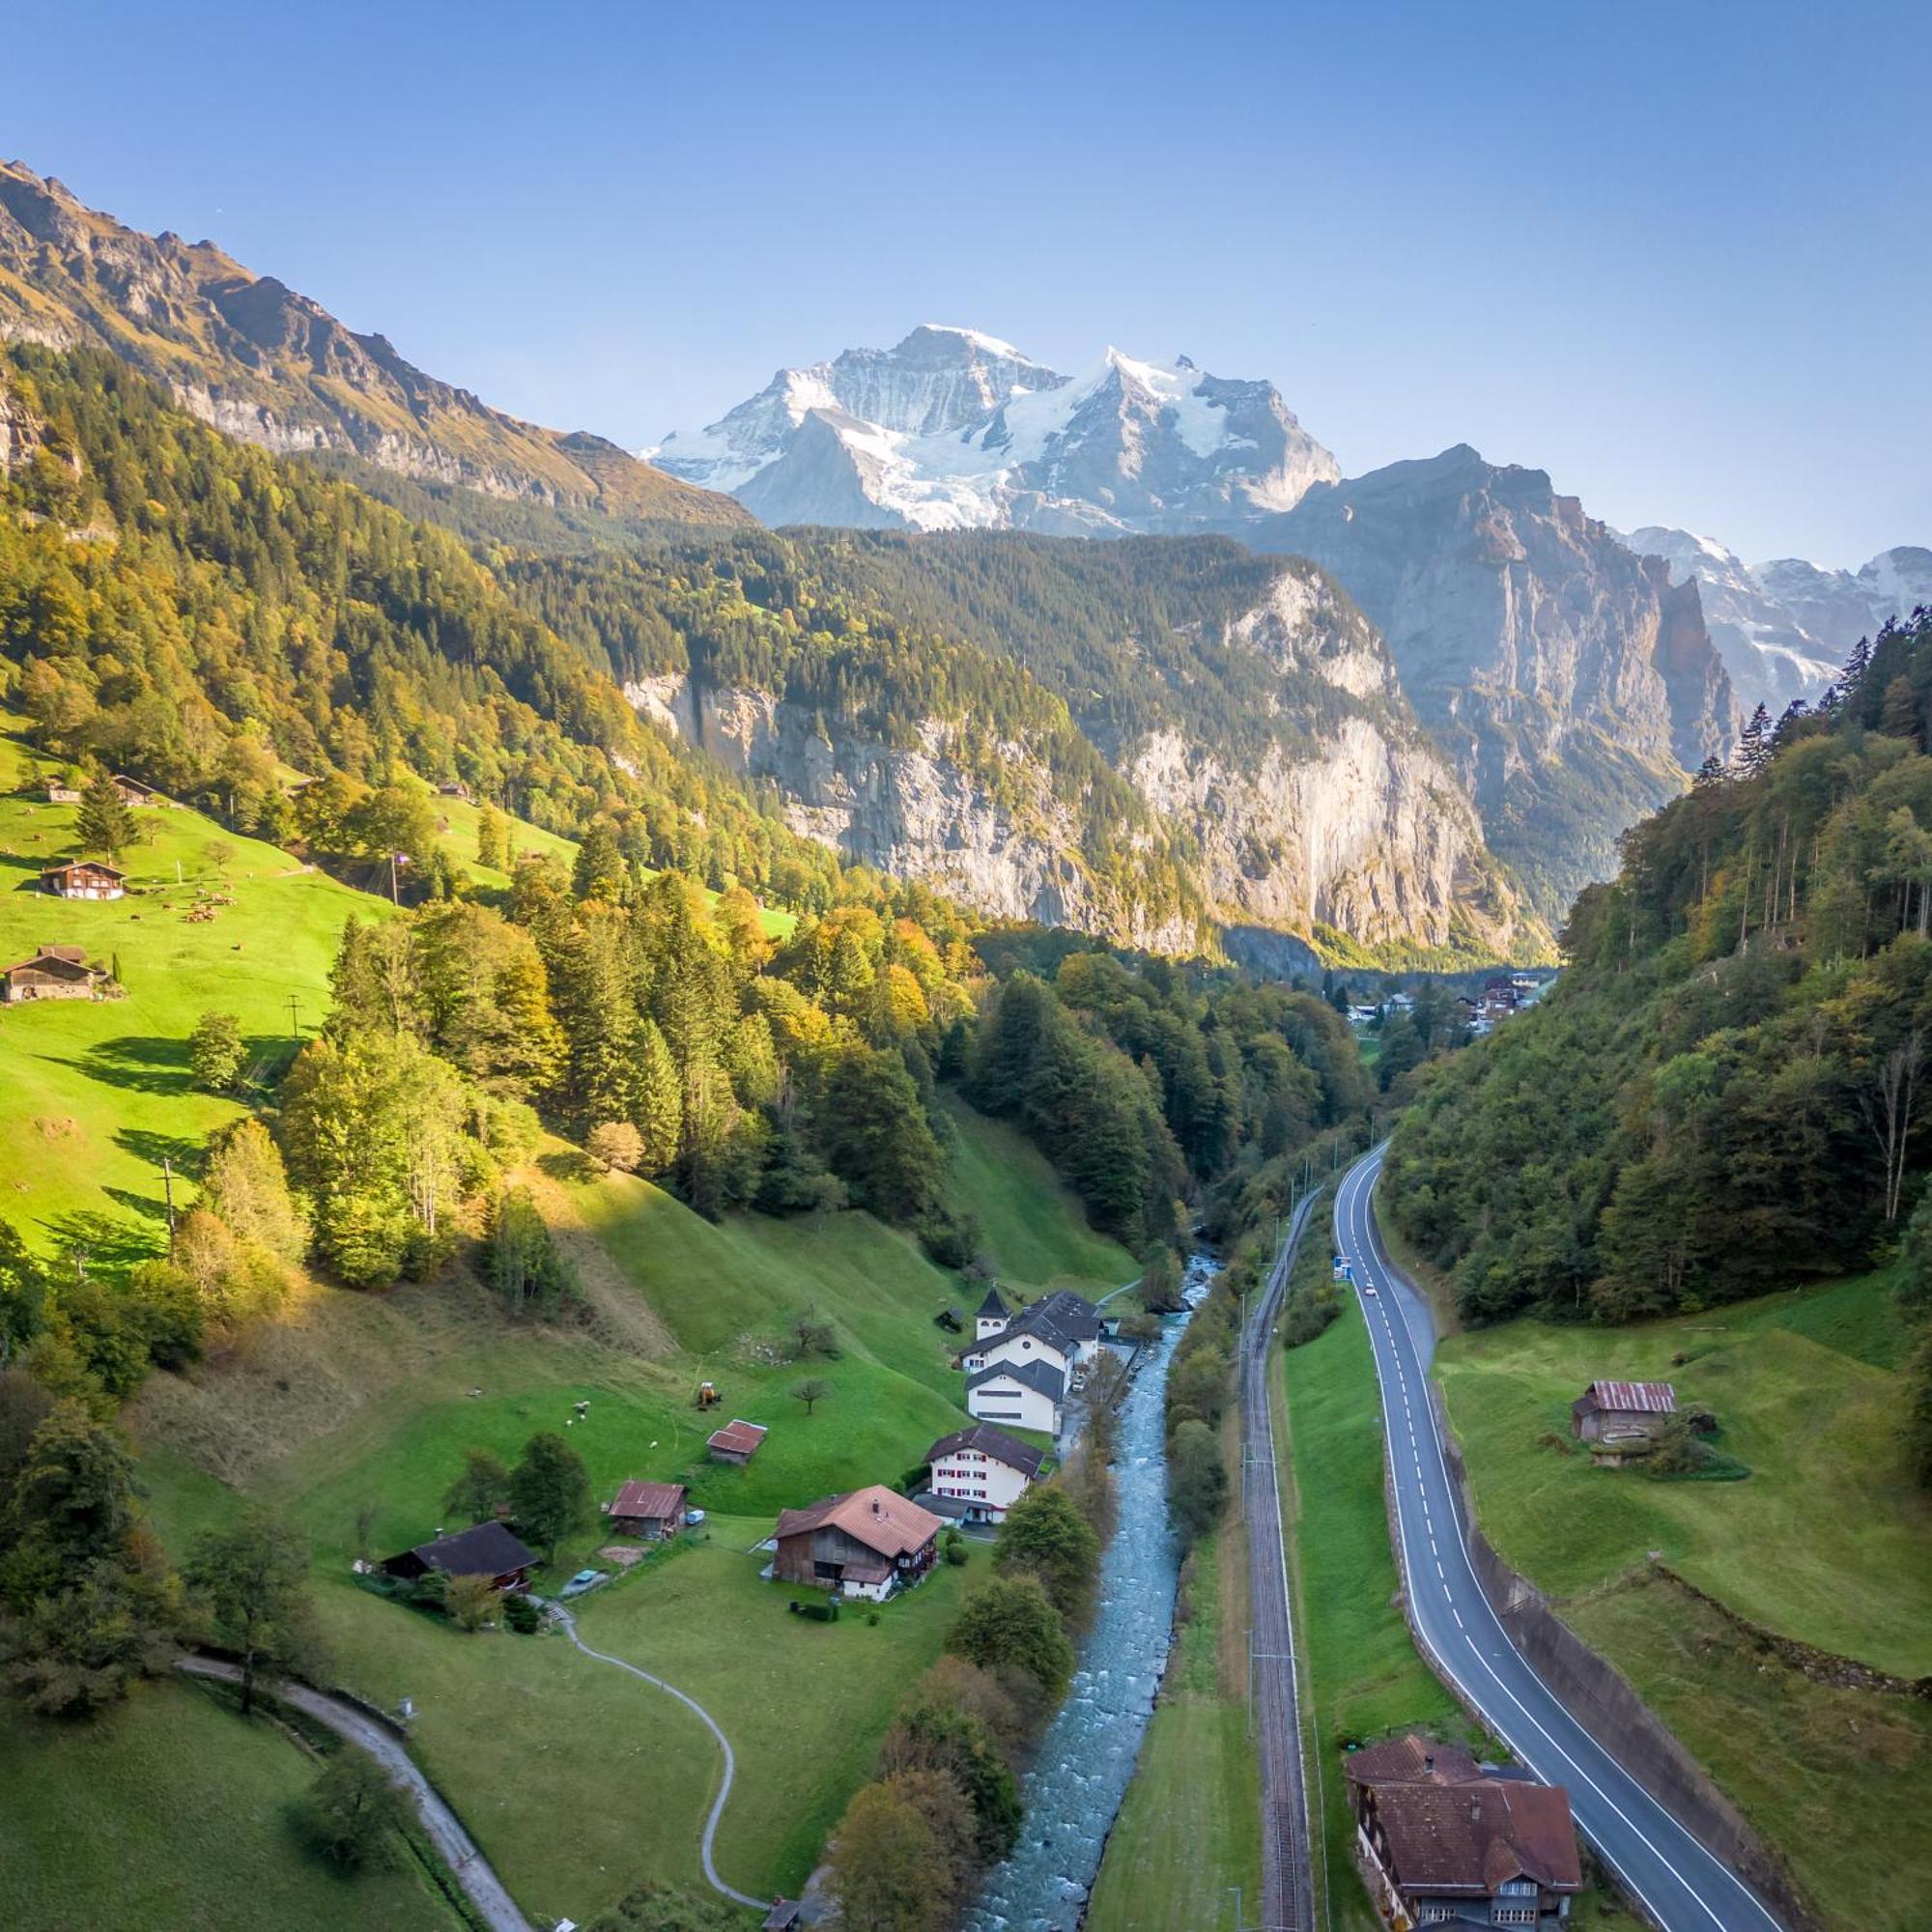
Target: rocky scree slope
259	361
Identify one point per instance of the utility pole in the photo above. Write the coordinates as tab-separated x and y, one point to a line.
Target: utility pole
295	1026
168	1189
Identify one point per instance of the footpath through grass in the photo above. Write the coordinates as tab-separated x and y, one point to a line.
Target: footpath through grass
171	1812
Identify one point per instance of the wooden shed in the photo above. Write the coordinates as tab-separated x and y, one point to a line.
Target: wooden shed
647	1509
737	1442
489	1549
1609	1410
53	972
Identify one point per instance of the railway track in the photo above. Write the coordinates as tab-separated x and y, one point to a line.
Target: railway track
1288	1891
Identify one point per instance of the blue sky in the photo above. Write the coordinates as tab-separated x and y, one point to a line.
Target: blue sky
1680	256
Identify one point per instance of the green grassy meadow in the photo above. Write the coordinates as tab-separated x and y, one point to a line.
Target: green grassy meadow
172	1811
97	1090
1035	1228
1826	1540
576	1778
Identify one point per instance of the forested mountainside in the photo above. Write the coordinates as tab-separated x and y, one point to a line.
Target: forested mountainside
1126	736
250	355
1727	1093
1569	682
191	609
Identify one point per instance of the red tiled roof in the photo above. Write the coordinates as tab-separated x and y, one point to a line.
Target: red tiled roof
649	1500
1411	1760
879	1517
1634	1398
739	1437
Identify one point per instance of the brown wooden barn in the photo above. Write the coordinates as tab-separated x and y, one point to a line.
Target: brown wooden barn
1608	1411
737	1442
647	1509
53	972
489	1549
866	1544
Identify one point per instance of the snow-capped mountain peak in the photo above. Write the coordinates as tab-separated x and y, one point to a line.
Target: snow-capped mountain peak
954	428
1785	628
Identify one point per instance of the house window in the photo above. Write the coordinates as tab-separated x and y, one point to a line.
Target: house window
1512	1914
827	1572
1519	1888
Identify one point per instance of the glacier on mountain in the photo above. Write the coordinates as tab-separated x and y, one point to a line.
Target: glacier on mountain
952	429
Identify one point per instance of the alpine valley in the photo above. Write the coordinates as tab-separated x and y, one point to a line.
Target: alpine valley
1122	651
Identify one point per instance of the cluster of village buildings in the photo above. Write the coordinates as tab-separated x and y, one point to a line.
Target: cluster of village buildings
1481	1012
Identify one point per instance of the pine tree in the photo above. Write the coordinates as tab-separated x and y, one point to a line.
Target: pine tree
103	822
659	1108
1753	751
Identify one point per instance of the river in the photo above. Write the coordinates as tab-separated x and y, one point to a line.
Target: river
1087	1758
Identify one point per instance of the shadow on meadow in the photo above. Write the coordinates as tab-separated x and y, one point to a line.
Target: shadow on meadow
109	1242
141	1063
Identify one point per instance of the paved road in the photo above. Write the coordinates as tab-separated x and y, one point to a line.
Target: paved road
1288	1892
710	1724
486	1892
1683	1888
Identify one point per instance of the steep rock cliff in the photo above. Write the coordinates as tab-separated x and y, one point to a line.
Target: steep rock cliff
1278	776
1570	682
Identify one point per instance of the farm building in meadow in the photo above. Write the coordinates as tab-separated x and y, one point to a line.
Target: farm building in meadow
132	791
59	792
489	1550
867	1544
647	1509
53	972
1026	1393
1611	1411
984	1469
1441	1840
737	1442
84	879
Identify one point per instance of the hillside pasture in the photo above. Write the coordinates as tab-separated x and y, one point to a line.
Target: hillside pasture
1826	1540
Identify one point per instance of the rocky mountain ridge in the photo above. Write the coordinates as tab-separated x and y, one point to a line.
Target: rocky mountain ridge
1329	817
261	363
1570	681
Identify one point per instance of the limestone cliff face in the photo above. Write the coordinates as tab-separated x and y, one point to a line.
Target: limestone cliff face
1348	818
1569	680
916	811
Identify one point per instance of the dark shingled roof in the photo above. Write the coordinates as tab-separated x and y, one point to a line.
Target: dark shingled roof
993	1308
489	1549
993	1442
1040	1376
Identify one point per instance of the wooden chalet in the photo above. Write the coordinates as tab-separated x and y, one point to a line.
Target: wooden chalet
867	1544
489	1549
737	1442
61	793
653	1510
53	972
84	879
1443	1841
